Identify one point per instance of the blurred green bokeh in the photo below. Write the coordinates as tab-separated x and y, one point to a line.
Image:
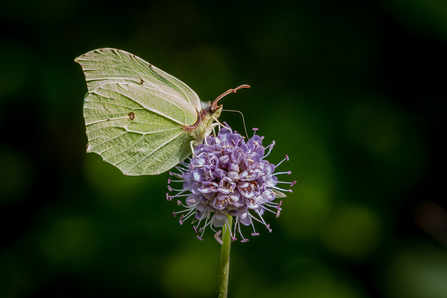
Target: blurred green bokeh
352	91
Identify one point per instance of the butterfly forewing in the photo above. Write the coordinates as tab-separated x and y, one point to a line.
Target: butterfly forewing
135	113
129	97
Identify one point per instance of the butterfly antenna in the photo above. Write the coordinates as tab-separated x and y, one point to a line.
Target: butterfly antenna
243	119
214	106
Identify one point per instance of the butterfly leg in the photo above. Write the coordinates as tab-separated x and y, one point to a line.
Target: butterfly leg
192	148
217	122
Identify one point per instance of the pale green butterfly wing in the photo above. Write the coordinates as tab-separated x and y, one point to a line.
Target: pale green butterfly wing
135	113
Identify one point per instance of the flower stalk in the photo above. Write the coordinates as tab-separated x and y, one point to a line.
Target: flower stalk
225	259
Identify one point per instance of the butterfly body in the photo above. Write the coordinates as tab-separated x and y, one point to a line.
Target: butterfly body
204	124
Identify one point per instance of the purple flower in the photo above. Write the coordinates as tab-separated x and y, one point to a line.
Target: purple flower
228	177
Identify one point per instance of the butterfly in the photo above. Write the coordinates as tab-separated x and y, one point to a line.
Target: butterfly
139	118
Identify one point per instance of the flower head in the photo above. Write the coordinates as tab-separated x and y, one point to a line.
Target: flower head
228	177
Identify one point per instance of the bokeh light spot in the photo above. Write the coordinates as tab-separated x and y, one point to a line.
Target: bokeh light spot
113	187
15	61
418	271
16	174
352	231
70	241
194	271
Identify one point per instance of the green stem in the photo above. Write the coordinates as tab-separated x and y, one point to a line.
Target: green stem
225	259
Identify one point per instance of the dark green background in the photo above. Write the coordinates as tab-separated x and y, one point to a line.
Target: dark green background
353	91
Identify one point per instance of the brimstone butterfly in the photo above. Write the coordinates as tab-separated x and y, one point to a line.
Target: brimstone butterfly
139	118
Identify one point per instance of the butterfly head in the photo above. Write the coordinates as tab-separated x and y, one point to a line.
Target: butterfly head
209	113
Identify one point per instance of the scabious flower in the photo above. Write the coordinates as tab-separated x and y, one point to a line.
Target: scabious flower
228	177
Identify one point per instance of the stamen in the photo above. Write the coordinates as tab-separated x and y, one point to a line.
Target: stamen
287	158
228	230
280	173
278	212
236	223
183	211
189	214
273	204
260	221
174	189
240	233
207	222
287	182
254	230
183	180
278	188
269	209
254	131
173	213
270	149
191	211
212	228
216	236
191	201
198	225
200	238
181	195
180	169
181	217
260	216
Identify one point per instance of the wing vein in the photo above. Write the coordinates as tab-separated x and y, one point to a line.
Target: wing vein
150	69
156	149
153	110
